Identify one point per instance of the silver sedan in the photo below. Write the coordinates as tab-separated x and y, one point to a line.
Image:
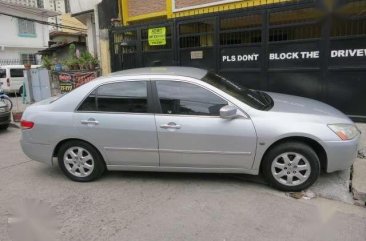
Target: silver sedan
177	119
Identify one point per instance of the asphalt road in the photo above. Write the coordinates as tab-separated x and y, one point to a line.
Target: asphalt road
38	200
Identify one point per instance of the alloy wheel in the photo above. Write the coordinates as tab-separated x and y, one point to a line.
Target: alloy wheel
78	162
291	169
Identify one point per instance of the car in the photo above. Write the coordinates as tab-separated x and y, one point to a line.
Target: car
12	78
182	119
4	116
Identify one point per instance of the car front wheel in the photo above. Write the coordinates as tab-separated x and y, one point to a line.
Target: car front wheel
291	166
80	161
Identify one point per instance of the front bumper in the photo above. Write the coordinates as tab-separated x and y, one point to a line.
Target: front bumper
5	118
341	154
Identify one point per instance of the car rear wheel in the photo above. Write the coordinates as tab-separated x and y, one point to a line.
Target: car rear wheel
80	161
291	166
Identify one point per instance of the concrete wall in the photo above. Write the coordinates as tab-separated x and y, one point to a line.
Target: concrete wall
79	6
12	45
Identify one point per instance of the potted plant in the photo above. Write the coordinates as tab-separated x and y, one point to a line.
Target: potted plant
94	63
47	62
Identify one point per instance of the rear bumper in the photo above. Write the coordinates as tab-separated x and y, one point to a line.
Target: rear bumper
37	152
341	154
5	118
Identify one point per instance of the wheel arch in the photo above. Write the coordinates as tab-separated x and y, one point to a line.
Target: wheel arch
58	146
315	145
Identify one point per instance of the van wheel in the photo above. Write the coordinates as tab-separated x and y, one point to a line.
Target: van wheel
21	91
80	161
291	166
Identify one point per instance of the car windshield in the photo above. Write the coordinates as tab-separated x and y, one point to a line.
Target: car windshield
256	99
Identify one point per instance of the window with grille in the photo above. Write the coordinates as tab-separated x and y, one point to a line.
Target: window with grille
28	58
67	6
241	30
197	34
350	20
296	24
40	4
26	28
125	43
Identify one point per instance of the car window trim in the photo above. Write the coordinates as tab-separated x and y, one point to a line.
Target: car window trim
150	100
158	105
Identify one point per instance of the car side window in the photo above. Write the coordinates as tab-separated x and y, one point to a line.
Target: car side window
188	99
128	96
89	103
16	73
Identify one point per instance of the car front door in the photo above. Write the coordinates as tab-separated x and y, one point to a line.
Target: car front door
191	133
117	118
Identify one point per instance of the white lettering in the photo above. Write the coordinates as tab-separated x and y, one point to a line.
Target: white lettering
344	53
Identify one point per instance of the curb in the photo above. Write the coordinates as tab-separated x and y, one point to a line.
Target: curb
13	125
359	181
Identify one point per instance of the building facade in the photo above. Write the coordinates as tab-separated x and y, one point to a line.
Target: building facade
310	48
25	33
97	16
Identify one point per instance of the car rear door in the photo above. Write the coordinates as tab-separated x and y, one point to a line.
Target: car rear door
191	133
117	118
16	78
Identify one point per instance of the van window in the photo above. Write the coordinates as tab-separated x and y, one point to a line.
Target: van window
16	73
2	73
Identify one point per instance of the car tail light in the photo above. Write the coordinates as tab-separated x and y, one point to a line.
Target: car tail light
8	82
26	124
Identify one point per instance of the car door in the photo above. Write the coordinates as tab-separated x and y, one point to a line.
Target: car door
117	117
16	78
191	133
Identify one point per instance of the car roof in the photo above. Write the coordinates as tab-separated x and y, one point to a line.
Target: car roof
179	71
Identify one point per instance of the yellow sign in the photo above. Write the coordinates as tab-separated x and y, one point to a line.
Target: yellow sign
157	36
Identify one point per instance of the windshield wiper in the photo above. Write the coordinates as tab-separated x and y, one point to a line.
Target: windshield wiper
256	99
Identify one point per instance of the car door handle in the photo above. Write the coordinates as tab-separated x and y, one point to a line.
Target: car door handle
90	121
170	125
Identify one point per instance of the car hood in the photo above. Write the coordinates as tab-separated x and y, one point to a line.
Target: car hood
294	104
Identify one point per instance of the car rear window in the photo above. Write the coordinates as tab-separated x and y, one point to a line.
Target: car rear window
2	73
16	73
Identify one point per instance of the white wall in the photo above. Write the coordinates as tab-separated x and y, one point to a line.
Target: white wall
12	45
78	6
10	36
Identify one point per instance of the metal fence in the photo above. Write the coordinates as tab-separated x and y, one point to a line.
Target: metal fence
18	62
314	49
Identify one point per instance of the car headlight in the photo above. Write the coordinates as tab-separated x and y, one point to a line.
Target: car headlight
345	131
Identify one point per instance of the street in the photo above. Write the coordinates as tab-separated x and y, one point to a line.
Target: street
162	206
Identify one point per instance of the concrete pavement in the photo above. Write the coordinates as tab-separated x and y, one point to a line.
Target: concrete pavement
359	170
159	206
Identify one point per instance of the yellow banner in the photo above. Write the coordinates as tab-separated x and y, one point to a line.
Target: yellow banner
157	36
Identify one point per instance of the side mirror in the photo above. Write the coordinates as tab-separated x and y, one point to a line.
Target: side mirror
228	112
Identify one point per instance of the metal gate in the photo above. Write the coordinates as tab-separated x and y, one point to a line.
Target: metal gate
306	48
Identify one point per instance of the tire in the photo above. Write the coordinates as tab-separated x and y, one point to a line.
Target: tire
21	91
86	169
291	166
4	127
8	102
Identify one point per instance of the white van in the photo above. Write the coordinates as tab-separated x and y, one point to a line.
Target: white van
12	77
